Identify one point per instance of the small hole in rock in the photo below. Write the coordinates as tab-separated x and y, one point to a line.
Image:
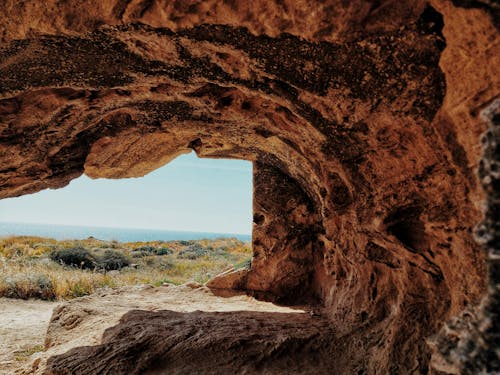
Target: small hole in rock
258	219
364	316
405	224
225	101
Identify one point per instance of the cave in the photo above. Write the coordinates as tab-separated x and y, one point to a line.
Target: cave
372	127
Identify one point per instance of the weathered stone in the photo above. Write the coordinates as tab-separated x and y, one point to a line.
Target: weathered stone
234	280
362	119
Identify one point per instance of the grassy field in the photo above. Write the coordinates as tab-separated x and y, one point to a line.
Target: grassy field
44	268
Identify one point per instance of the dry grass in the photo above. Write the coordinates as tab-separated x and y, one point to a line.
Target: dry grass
26	270
23	355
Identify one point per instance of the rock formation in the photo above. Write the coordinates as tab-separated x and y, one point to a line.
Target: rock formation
362	118
247	336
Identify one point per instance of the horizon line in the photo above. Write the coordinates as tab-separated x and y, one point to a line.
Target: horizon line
133	228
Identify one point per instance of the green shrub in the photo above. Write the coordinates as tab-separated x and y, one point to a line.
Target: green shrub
192	252
32	286
75	257
112	260
163	251
139	253
144	251
80	290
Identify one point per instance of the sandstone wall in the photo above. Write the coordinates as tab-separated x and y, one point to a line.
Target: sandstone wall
362	119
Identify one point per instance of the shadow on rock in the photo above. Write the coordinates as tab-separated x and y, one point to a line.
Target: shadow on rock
166	341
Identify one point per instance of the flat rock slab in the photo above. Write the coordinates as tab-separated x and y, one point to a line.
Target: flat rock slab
144	329
165	342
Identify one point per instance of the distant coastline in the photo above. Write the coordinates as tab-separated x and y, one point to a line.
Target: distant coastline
61	232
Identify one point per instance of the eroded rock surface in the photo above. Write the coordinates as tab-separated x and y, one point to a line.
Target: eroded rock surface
166	342
362	119
124	324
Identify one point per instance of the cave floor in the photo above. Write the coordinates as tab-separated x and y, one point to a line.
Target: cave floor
26	326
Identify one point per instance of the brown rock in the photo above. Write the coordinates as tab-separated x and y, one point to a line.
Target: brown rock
165	342
362	119
231	279
217	320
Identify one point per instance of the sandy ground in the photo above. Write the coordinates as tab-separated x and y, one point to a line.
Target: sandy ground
23	325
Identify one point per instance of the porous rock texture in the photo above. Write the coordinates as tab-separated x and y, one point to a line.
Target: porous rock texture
362	120
178	329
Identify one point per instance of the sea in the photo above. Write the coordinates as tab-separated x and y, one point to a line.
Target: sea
62	232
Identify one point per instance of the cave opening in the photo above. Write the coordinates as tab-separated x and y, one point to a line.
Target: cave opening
185	222
189	194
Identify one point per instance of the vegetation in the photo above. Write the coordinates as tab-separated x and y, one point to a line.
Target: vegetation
34	267
112	260
22	355
78	257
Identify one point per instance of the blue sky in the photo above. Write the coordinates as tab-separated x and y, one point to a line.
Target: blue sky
189	193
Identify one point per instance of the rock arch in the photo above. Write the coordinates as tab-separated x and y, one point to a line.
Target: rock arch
362	120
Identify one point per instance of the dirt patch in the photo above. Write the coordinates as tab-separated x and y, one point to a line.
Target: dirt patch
23	325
